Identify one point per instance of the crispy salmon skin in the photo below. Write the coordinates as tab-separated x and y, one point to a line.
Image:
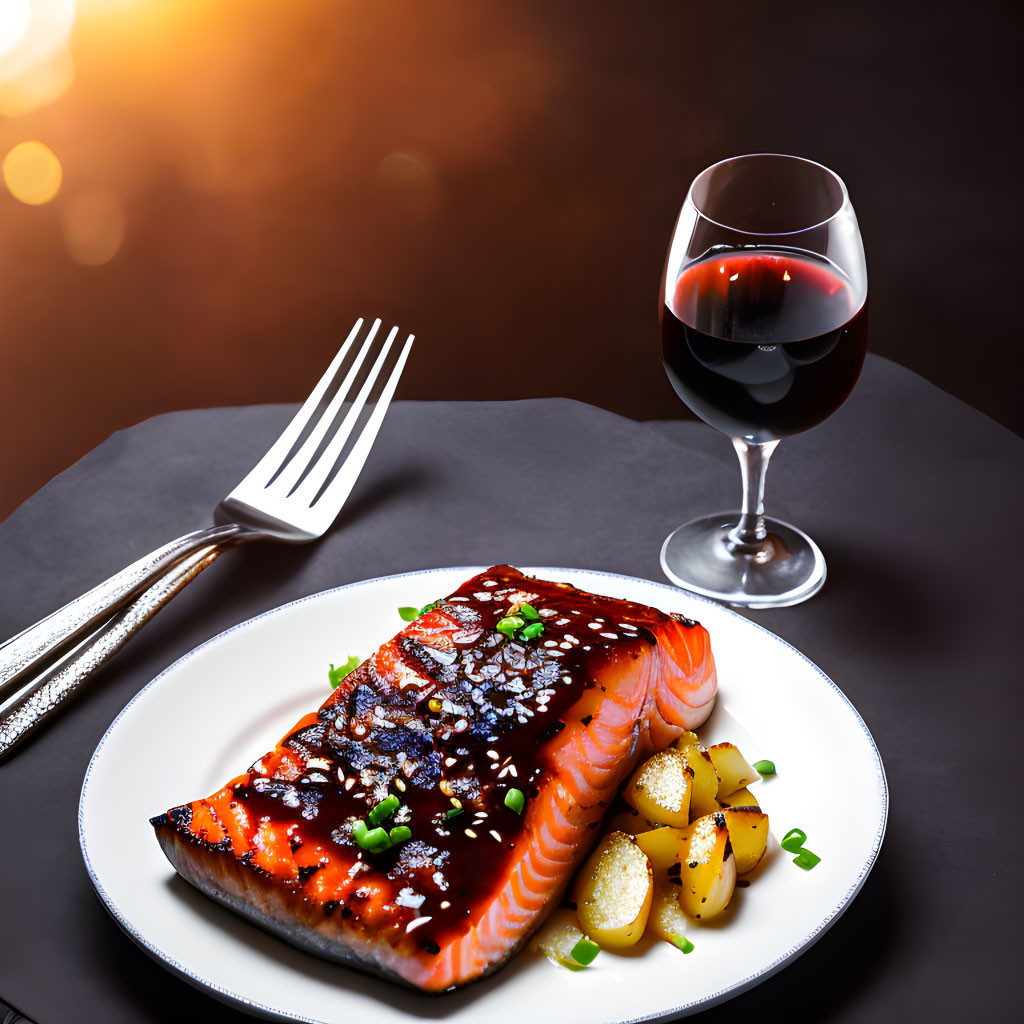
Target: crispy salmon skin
425	819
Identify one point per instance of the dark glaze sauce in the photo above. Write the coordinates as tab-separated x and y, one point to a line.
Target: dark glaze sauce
462	716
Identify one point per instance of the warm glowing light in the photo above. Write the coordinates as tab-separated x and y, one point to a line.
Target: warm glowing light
38	86
785	276
402	169
43	34
94	226
32	173
14	18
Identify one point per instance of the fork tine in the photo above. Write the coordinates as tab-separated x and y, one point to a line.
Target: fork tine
271	462
292	473
329	503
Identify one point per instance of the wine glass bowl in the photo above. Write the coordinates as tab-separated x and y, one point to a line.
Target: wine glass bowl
763	335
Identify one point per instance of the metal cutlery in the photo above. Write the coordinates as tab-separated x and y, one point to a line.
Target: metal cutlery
293	494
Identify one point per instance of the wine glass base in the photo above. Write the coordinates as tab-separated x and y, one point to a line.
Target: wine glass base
790	569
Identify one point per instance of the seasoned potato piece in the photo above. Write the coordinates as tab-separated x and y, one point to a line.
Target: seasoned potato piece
661	845
613	892
558	937
741	798
732	768
667	919
705	781
707	867
748	834
660	789
631	822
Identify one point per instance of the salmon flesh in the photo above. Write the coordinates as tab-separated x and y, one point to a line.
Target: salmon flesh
501	752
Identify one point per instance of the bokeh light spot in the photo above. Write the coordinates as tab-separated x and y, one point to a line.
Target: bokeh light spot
32	173
94	227
14	18
402	169
39	85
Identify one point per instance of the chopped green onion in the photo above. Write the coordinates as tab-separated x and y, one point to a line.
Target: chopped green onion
764	767
806	860
509	624
409	613
585	951
359	831
399	834
335	675
453	812
384	809
375	840
532	631
429	607
515	801
793	840
683	943
528	612
566	962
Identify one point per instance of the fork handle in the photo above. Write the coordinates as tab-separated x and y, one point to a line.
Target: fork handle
48	693
31	650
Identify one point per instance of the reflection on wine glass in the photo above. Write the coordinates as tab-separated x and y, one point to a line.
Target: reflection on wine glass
763	334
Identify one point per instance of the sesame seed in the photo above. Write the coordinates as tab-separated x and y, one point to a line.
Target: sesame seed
400	785
461	725
349	783
492	754
565	647
445	786
611	636
445	904
469	832
413	925
449	761
594	625
550	643
496	835
571	638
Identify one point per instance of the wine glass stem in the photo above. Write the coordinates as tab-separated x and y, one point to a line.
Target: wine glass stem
749	537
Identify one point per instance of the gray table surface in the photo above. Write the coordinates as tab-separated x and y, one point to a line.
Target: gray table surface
913	496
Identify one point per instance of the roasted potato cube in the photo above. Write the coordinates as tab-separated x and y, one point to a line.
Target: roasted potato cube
631	822
707	867
558	937
688	739
667	919
661	845
613	892
732	768
705	781
741	798
748	834
660	789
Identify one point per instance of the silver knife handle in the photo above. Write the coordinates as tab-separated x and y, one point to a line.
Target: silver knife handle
26	713
32	649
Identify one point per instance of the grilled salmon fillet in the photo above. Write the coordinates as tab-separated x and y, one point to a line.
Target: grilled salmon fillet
425	819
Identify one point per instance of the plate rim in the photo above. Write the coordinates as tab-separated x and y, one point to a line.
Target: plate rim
722	995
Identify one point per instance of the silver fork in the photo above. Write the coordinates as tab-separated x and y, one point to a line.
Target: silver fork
293	494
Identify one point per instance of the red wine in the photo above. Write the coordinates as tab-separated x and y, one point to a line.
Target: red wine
762	343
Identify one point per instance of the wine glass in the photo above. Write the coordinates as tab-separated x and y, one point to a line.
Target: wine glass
763	334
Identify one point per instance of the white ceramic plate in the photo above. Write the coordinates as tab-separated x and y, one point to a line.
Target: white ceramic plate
219	708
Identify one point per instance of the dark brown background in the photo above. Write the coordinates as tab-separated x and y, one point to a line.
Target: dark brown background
500	178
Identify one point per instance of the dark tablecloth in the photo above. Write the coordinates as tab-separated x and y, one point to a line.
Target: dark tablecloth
913	496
